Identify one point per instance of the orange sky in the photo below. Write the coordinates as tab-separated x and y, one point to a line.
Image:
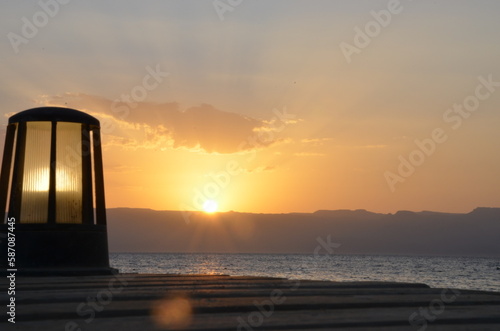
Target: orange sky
264	111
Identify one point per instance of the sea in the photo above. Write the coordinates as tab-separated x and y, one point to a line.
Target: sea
471	273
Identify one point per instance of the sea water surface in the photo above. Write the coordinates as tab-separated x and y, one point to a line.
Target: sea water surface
444	272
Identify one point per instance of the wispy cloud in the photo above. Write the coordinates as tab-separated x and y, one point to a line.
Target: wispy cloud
309	154
260	169
165	125
315	141
369	146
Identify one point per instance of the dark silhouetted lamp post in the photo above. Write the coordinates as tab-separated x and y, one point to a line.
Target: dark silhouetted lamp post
52	184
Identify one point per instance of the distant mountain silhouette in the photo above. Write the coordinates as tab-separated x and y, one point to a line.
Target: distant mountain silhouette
357	231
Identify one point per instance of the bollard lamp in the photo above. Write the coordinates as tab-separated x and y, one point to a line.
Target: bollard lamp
52	191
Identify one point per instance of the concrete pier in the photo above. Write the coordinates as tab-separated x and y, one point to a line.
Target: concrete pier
217	302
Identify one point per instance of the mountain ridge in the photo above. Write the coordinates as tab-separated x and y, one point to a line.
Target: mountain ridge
357	231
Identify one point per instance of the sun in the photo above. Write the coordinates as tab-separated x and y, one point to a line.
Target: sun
210	206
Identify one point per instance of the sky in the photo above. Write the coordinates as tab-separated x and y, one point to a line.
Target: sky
271	106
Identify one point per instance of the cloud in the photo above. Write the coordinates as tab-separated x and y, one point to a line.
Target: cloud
259	169
309	154
370	146
122	169
315	141
165	125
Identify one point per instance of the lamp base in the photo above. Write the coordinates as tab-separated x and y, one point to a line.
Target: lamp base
57	249
42	272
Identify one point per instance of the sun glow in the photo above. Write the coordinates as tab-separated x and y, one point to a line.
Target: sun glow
210	206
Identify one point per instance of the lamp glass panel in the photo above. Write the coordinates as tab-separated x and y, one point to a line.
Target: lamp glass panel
11	173
35	192
69	173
